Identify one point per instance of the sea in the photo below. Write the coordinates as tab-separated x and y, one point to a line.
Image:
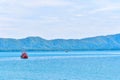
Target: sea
61	65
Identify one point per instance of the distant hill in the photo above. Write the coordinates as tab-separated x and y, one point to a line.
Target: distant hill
110	42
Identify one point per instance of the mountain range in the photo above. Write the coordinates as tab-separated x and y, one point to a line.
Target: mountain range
109	42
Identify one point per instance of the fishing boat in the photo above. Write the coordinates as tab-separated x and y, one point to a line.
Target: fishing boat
24	55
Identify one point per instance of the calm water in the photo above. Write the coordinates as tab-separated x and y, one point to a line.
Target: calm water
86	65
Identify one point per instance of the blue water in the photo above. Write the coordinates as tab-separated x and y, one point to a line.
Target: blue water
79	65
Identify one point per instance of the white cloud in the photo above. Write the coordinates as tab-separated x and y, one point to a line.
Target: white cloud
7	19
79	15
35	3
48	19
104	6
7	28
114	17
38	3
22	8
105	9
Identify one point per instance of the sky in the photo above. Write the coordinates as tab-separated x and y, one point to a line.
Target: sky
51	19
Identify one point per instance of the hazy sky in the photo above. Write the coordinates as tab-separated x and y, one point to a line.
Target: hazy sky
59	18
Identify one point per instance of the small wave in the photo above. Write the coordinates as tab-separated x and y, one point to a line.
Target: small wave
83	56
9	58
56	57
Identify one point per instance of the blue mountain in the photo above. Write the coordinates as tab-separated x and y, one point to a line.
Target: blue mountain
109	42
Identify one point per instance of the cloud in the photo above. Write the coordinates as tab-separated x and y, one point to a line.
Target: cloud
40	3
79	15
105	9
7	29
22	7
6	22
7	19
25	8
48	19
35	3
104	6
115	17
58	18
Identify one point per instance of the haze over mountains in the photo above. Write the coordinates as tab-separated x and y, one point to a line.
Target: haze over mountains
110	42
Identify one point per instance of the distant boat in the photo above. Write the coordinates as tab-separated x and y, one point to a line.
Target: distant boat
24	55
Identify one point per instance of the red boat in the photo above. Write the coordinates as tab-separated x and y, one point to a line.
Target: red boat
24	55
